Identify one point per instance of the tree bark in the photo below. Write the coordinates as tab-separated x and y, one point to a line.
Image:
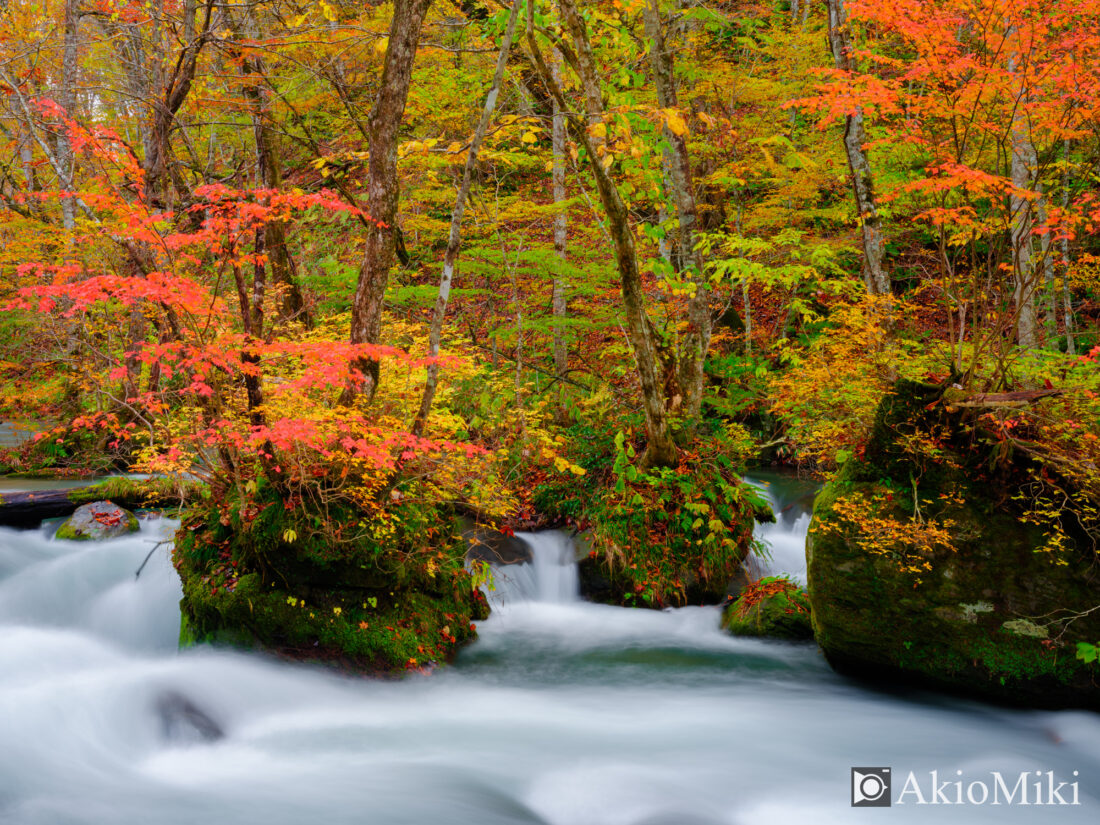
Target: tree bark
1023	159
170	95
560	296
1067	297
696	341
855	138
69	69
382	192
660	448
290	303
454	241
1022	166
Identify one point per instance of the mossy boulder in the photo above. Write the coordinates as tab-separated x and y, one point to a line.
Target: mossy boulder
673	537
257	576
984	613
773	608
97	521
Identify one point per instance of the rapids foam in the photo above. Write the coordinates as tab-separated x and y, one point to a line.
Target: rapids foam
563	713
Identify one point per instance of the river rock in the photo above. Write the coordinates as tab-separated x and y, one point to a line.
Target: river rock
495	547
773	608
979	619
185	722
98	520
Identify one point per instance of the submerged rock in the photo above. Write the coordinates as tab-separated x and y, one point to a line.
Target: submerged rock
96	521
183	721
772	607
957	593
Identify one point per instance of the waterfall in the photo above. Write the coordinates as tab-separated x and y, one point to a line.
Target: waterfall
791	501
549	577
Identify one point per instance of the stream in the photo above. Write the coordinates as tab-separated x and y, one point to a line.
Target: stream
563	712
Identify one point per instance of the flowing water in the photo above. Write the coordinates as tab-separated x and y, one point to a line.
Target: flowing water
791	500
564	712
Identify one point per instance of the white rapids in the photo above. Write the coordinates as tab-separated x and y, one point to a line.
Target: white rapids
563	712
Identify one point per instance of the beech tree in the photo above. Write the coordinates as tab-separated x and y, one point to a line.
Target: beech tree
381	200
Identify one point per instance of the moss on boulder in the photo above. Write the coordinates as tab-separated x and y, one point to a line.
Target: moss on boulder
96	521
260	578
659	537
773	608
984	616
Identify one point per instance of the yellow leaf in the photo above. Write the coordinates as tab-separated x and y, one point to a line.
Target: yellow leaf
675	122
530	137
599	130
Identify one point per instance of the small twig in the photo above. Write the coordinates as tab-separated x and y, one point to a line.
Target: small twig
150	555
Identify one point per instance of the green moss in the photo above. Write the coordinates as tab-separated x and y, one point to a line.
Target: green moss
140	492
364	605
188	637
67	533
968	622
784	615
656	537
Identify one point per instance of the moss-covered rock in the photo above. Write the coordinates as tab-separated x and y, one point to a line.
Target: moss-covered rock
96	521
984	613
258	577
659	536
773	608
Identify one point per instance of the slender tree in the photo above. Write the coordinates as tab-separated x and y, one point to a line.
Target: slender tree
677	164
383	126
660	446
454	240
855	145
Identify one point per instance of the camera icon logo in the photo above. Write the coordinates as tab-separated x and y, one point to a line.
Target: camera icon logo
871	787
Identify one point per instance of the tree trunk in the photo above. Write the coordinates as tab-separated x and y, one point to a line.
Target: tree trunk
855	137
291	304
69	68
696	341
660	448
1023	157
454	241
561	287
1067	297
383	126
1023	163
1046	266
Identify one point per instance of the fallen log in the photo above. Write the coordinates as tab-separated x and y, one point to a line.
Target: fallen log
29	509
993	400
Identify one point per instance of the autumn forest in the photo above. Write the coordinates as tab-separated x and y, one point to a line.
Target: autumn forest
366	300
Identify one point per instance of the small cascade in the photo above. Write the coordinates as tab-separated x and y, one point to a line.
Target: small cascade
550	576
791	501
